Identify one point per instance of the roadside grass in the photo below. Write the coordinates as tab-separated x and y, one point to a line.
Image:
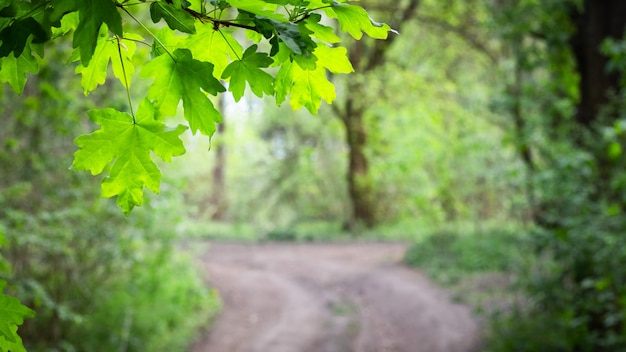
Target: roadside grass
299	231
479	266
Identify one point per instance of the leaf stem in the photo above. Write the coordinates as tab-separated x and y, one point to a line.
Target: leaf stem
230	46
126	84
150	33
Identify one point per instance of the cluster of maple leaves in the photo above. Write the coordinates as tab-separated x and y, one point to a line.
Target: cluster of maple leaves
198	49
194	51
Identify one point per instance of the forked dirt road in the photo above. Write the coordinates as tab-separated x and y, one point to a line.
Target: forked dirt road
329	298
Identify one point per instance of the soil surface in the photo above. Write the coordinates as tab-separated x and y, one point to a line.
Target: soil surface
330	298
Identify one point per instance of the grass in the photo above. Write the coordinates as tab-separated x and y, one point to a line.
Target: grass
479	266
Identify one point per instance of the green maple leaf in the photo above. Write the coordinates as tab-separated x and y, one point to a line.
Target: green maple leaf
296	37
108	49
175	16
12	314
248	69
128	146
320	31
334	59
14	69
307	87
217	47
283	82
259	8
7	346
16	36
92	14
181	77
355	20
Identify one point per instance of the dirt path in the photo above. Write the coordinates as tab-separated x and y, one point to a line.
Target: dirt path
329	298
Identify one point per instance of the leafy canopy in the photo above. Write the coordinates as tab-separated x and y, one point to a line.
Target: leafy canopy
193	57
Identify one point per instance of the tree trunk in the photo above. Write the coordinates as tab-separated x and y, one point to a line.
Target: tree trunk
217	198
522	143
599	20
359	181
366	56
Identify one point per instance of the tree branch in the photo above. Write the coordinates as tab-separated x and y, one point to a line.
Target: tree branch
399	19
461	32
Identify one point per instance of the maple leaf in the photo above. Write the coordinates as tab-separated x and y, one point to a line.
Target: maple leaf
215	46
118	52
307	87
283	82
334	59
17	35
12	314
14	69
127	145
248	69
355	20
175	16
259	8
321	31
181	77
92	14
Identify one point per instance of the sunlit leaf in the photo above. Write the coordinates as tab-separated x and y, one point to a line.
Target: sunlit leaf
13	70
215	46
12	314
181	77
355	20
334	59
118	52
127	145
248	69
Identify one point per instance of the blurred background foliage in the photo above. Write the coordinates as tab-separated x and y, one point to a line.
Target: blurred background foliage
489	133
437	152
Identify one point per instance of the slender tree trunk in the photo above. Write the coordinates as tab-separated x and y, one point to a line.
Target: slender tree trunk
358	177
217	198
366	56
522	143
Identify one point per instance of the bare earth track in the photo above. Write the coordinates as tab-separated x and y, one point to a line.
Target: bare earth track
329	298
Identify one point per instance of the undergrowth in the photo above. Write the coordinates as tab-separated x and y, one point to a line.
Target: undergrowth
449	255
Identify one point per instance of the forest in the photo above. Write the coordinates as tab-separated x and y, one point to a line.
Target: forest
485	136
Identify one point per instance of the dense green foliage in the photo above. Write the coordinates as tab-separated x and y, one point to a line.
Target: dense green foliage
573	154
562	91
97	280
182	68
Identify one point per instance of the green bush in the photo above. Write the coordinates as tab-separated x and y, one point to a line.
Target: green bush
576	292
449	255
156	306
99	282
